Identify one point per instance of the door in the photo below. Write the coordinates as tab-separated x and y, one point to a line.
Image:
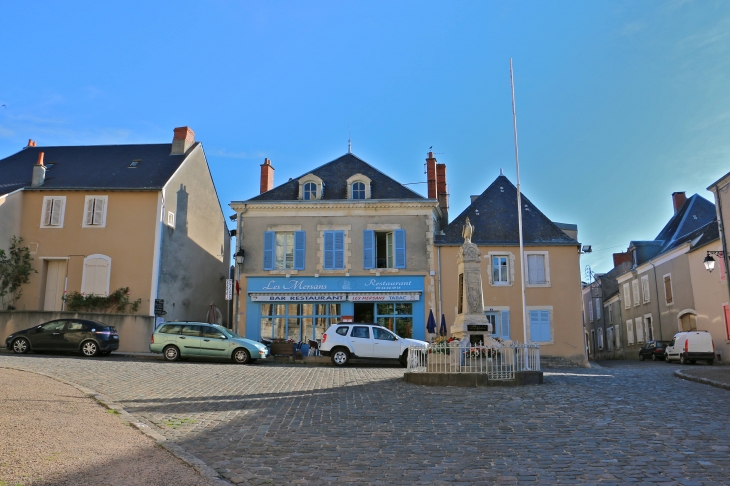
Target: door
189	340
385	344
214	343
73	334
48	336
55	283
361	341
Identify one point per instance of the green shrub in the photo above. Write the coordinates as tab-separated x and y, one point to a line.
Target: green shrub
118	301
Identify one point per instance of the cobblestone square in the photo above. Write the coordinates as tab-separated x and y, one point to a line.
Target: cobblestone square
294	424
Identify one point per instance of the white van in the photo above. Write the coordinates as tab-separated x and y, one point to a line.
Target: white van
690	346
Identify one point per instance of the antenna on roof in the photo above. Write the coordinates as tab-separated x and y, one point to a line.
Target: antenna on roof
349	142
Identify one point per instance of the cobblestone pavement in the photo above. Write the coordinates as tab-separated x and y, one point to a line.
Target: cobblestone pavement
289	424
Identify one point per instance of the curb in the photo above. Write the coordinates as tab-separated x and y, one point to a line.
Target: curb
201	467
704	381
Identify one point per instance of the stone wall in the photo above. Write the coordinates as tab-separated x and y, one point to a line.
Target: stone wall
134	331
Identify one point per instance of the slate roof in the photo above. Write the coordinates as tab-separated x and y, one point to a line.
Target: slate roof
496	221
704	235
92	167
334	175
695	213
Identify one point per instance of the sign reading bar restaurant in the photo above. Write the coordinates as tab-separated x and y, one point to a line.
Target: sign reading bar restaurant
297	297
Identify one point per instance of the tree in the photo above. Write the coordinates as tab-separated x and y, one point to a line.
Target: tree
15	270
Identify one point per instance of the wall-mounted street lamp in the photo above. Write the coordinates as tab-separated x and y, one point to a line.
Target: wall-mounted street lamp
239	256
710	262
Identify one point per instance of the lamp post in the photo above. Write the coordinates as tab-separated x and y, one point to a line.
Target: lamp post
240	254
710	262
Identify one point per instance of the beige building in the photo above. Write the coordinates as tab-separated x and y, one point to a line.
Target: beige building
97	218
551	273
341	242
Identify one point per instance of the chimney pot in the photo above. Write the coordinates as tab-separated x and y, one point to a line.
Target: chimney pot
39	172
267	176
431	176
182	140
678	199
31	142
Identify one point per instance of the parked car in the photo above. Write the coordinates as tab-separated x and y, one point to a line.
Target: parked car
690	346
90	338
177	340
364	340
653	350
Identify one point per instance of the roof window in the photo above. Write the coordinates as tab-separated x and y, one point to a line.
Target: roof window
134	163
48	166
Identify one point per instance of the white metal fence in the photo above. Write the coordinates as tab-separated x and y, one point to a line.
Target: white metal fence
499	362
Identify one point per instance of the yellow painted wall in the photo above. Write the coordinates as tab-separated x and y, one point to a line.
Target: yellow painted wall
710	293
128	239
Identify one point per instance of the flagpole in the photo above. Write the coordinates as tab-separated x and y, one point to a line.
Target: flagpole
519	211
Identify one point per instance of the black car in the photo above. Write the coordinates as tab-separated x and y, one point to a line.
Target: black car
90	338
653	350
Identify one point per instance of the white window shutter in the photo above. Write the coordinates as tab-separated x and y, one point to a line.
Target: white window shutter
99	210
96	277
630	331
617	331
639	330
635	288
57	211
645	288
90	211
47	211
627	296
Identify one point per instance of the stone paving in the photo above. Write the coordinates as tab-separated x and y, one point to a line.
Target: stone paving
291	424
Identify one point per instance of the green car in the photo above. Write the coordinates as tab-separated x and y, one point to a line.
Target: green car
177	340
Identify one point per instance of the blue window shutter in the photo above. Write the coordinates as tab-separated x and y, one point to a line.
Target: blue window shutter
339	249
269	244
534	326
329	250
300	243
505	325
545	319
368	249
400	248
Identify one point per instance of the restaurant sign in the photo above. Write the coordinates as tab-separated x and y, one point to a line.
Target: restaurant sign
312	285
383	297
297	297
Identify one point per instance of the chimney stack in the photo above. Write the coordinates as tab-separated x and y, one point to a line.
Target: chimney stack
182	140
678	199
267	176
443	196
31	143
39	172
431	175
619	258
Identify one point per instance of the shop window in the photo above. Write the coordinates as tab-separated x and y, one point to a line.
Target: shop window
298	322
384	249
284	250
396	317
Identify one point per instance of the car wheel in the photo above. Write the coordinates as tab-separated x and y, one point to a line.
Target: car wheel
171	353
241	356
21	346
340	357
404	359
89	349
682	360
710	362
641	357
653	357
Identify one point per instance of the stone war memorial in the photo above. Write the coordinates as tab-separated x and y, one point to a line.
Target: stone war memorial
474	357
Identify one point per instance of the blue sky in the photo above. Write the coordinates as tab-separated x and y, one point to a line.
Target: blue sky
619	103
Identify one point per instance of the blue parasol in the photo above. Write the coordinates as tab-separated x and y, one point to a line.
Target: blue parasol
442	329
431	325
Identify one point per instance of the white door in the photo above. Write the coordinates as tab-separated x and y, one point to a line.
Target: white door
55	280
361	341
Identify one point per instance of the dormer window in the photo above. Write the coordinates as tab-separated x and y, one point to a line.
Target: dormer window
358	187
310	188
310	191
358	190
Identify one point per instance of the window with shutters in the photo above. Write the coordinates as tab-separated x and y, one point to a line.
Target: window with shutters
540	329
590	310
501	324
630	331
598	308
334	250
284	250
627	296
635	289
95	211
668	295
97	272
53	211
600	339
537	269
617	336
645	289
610	314
384	249
639	327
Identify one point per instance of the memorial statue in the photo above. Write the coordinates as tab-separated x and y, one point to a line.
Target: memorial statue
467	231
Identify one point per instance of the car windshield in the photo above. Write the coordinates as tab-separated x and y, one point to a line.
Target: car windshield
227	332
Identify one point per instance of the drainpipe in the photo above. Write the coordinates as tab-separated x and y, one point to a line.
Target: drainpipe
659	310
239	237
722	237
438	253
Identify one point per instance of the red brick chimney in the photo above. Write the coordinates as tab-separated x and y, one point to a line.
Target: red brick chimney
182	140
267	176
678	199
31	143
431	176
619	258
443	196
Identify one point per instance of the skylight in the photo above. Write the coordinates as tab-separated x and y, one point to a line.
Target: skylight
134	164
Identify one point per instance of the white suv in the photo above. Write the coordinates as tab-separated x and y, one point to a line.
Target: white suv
362	340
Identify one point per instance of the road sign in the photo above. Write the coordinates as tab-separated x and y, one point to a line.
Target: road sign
160	307
229	288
